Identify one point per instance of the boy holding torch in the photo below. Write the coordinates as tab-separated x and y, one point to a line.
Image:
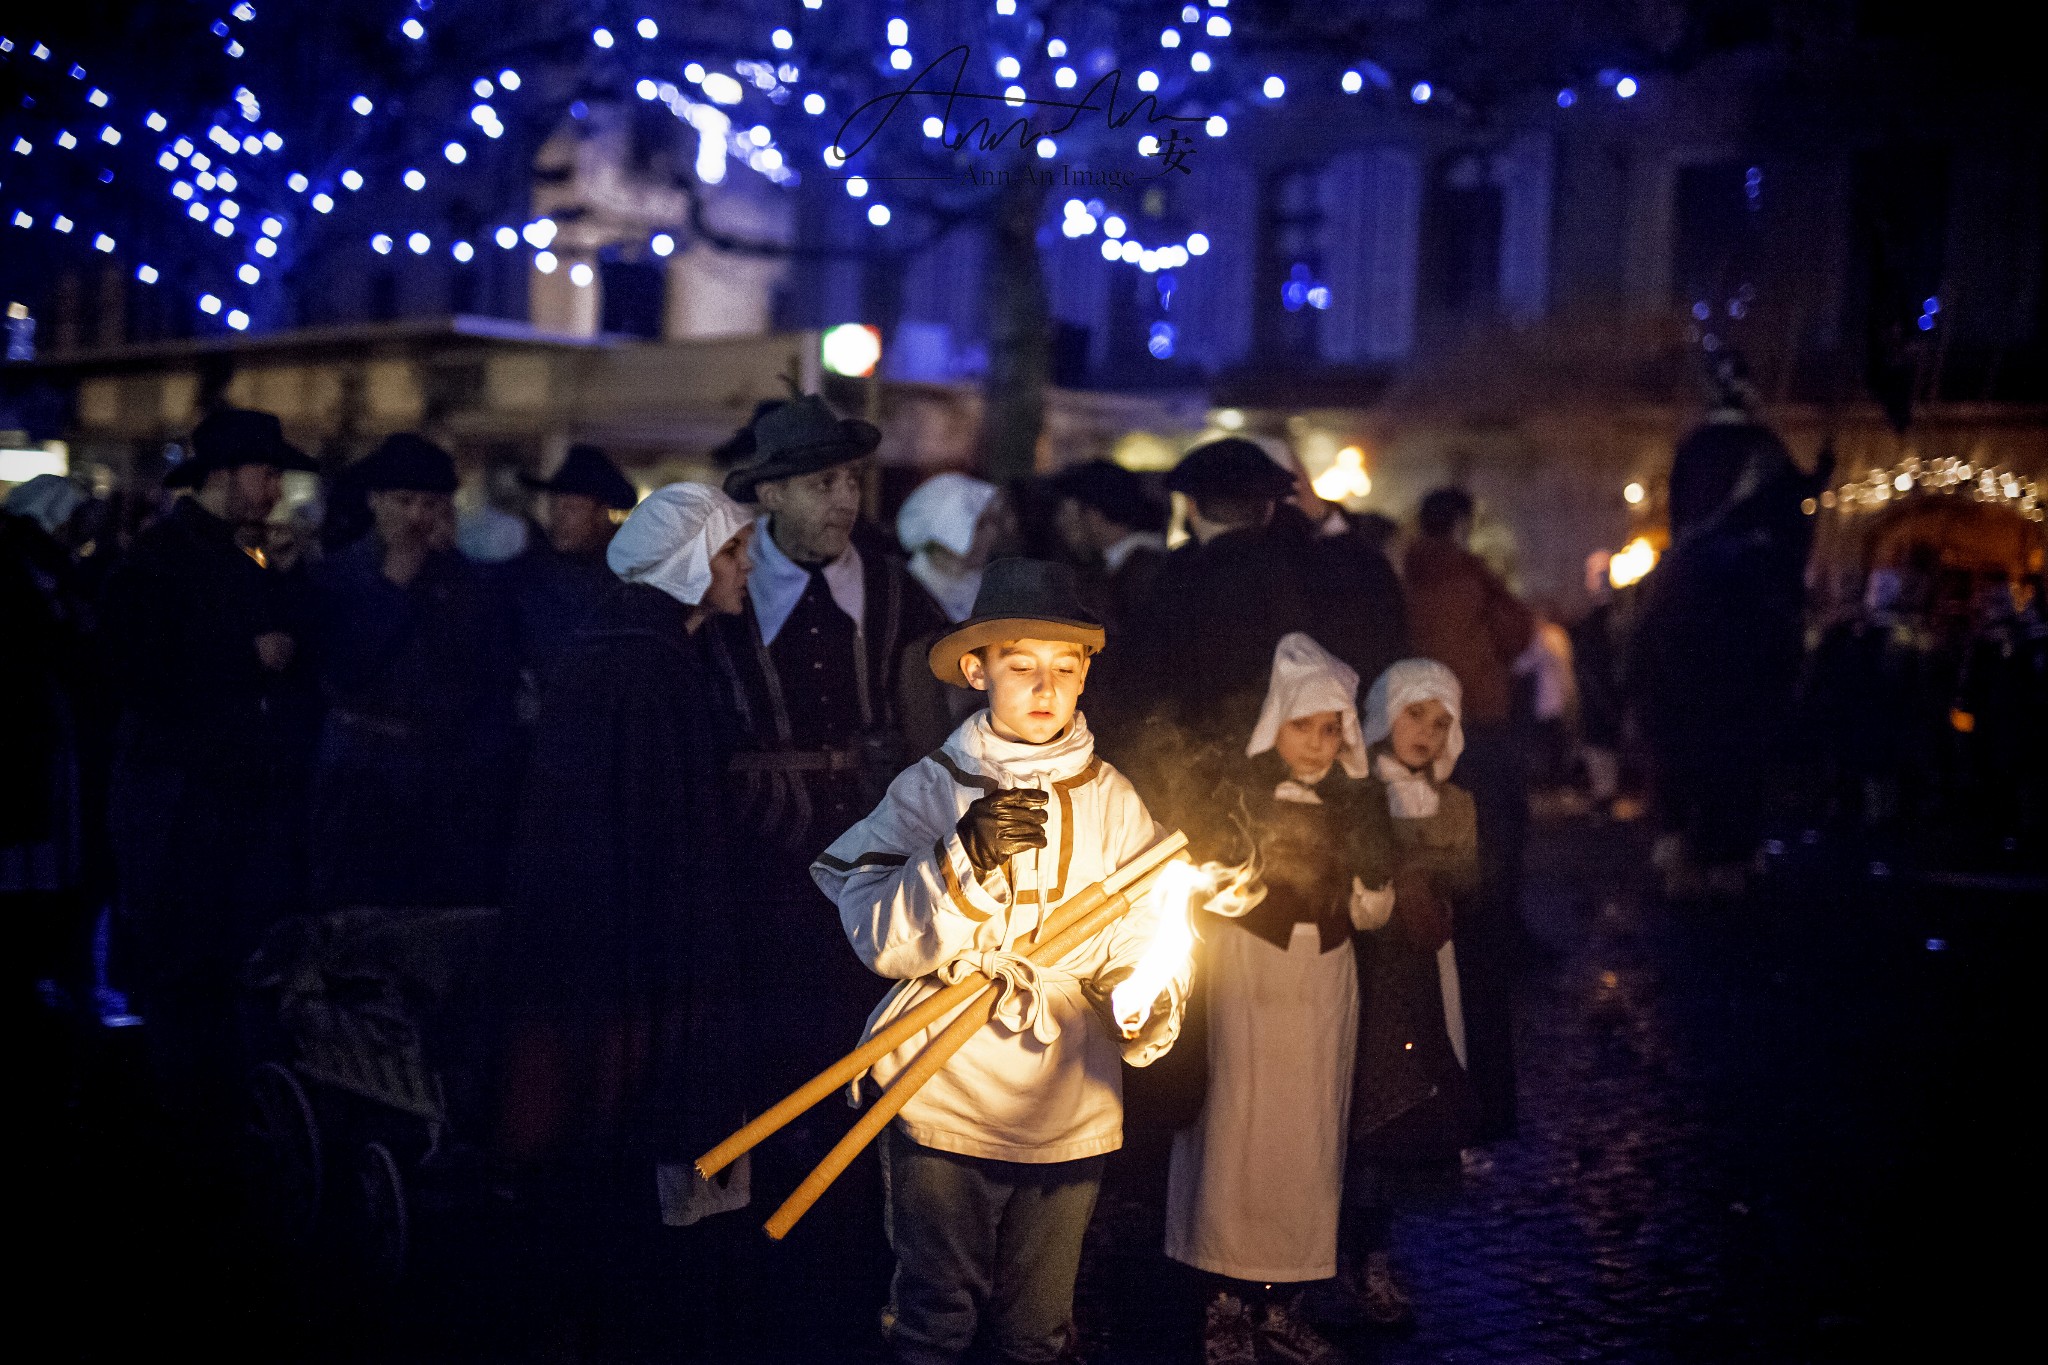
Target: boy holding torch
992	1169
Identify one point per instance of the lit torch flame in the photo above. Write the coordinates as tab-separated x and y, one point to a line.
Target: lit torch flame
1228	891
1173	941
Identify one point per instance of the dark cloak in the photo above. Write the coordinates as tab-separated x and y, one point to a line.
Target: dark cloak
624	1011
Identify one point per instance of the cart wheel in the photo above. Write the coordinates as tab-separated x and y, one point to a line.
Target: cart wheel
284	1164
386	1230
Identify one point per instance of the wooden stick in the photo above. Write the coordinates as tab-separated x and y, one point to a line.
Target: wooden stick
937	1053
926	1013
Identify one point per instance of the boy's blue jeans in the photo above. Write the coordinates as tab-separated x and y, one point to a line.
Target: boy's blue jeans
983	1248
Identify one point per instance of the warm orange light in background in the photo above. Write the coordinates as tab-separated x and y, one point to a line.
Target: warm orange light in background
1634	493
1346	478
1632	563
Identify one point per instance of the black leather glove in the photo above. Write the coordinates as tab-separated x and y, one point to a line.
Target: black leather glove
1002	825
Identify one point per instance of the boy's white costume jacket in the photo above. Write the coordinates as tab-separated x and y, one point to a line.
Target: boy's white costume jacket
1041	1082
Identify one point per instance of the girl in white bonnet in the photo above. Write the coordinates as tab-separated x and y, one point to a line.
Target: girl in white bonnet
1255	1184
1411	1104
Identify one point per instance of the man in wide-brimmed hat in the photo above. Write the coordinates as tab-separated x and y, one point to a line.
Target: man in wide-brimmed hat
816	662
555	587
1253	572
815	667
412	789
218	704
993	1166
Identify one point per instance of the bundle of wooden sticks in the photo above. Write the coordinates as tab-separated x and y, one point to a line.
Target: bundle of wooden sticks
1071	924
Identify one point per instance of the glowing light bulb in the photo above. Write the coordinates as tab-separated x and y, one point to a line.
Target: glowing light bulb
352	180
662	244
414	180
456	153
648	29
1148	80
878	214
1217	125
602	37
1420	92
580	275
248	274
814	103
361	104
1274	87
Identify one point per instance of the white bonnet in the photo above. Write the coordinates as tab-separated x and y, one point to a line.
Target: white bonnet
943	510
1404	684
1308	680
669	539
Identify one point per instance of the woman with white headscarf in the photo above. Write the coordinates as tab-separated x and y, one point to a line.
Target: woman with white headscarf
620	940
1254	1187
1411	1103
949	526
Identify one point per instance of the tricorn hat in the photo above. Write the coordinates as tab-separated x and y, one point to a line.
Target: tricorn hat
228	438
1020	599
801	436
1230	468
588	471
406	462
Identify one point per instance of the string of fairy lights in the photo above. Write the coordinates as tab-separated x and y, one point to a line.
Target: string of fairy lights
226	177
1880	487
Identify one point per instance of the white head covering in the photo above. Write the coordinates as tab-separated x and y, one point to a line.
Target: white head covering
1409	794
669	539
944	510
1307	681
49	500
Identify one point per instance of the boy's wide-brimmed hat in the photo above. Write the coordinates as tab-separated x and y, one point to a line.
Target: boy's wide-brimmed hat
1020	599
588	471
1230	468
229	438
802	436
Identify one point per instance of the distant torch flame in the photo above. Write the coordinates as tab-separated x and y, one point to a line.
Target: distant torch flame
1173	941
1346	478
1632	563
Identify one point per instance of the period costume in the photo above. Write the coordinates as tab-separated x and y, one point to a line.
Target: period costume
994	1165
1255	1183
416	756
554	594
626	1015
1206	636
208	788
812	671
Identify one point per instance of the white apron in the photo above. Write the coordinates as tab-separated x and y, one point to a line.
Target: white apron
1255	1182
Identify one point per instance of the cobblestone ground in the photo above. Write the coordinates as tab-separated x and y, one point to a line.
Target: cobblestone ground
1719	1157
1797	1129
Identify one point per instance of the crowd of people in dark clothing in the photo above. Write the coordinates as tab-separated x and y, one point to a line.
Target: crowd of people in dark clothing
636	738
